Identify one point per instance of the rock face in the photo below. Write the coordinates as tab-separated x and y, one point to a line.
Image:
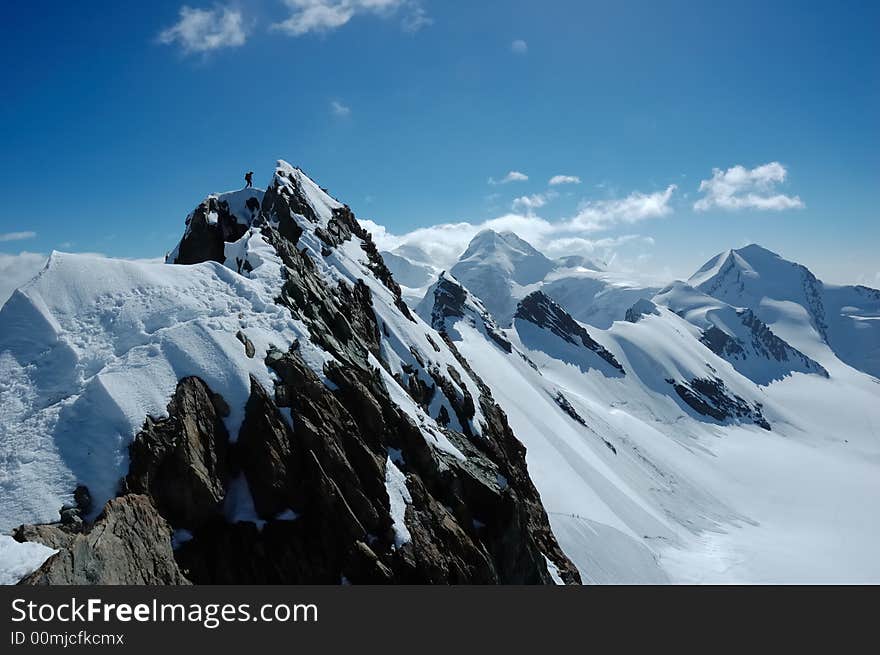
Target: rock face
209	228
737	335
181	461
539	309
761	342
642	307
330	477
711	397
128	544
450	300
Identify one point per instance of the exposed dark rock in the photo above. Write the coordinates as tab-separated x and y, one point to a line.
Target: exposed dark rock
451	300
83	498
711	397
642	307
419	390
249	349
330	469
768	344
205	239
541	310
71	518
284	200
264	454
566	406
721	343
253	205
460	399
763	342
361	317
180	461
363	566
130	543
377	264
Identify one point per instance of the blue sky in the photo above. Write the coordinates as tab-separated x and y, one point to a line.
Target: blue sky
118	118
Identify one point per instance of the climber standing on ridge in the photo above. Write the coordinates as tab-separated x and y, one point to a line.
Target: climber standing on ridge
249	179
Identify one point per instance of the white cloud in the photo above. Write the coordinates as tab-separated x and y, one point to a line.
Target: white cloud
327	15
416	20
529	204
17	236
519	47
512	176
204	30
339	109
443	243
15	270
564	179
742	188
597	215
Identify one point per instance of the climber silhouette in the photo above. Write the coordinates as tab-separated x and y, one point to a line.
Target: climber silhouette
249	179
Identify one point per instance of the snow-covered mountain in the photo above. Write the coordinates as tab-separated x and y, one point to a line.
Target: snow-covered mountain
688	442
737	335
408	273
266	406
502	269
800	308
499	268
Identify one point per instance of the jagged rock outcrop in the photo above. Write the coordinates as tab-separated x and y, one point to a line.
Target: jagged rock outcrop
130	543
760	342
210	227
737	335
330	477
711	397
450	301
539	309
53	535
181	461
642	307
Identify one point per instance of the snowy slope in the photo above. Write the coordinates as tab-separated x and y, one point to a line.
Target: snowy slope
737	335
360	433
19	559
408	273
93	345
640	487
595	297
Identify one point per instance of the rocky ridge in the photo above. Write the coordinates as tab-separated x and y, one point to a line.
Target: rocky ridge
541	310
391	463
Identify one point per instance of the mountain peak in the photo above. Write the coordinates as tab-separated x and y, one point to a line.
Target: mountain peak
754	249
751	262
487	241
